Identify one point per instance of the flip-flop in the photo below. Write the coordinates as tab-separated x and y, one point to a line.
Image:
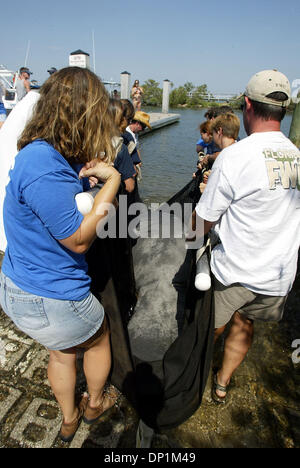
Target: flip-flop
221	388
92	415
68	431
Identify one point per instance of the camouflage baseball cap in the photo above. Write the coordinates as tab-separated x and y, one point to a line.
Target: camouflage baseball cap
266	82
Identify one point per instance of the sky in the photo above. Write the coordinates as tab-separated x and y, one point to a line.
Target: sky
218	43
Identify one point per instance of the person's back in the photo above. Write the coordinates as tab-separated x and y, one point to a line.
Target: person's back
262	216
253	194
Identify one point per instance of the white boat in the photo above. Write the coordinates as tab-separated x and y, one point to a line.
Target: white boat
7	78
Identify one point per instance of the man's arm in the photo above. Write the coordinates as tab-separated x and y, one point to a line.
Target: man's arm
198	227
129	184
27	85
197	221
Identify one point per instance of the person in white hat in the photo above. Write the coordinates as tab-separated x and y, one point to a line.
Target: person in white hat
253	198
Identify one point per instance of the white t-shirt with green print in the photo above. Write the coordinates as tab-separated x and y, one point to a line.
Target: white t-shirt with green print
253	193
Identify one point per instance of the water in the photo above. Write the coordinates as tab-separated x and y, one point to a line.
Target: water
169	154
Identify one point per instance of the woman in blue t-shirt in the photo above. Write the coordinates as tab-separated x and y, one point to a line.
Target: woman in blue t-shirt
44	286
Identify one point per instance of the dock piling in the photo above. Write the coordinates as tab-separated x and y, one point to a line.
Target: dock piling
295	127
125	85
166	95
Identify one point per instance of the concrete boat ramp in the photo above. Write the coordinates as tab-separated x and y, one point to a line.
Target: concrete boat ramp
263	409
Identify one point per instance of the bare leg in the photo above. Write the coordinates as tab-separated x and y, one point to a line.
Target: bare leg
96	365
237	345
219	332
62	375
62	378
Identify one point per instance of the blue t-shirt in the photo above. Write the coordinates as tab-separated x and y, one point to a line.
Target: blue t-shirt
124	164
202	143
39	210
212	148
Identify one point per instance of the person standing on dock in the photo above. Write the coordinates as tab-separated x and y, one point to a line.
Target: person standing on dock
253	194
136	94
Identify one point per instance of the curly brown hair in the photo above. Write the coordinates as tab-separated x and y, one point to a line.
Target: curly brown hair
73	116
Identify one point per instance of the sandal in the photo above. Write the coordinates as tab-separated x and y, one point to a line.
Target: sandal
221	388
68	431
109	399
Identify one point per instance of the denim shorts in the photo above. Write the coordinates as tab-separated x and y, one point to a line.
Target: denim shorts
56	324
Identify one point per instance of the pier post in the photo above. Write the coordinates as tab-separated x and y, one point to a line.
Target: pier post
166	94
125	85
295	127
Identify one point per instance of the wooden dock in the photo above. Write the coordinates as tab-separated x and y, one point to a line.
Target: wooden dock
159	120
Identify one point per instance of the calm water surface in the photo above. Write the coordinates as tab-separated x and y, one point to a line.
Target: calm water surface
169	155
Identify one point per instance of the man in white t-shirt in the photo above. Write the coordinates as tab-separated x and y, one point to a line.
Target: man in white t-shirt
253	194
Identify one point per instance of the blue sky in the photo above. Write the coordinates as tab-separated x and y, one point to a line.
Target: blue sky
220	43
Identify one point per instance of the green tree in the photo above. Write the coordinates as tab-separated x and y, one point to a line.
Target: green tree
178	96
152	93
236	102
199	96
189	87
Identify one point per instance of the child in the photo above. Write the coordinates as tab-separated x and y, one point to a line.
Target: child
225	130
206	137
205	145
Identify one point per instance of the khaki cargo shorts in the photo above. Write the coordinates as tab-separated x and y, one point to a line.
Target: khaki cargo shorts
237	298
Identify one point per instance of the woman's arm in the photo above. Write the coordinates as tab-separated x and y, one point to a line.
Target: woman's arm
81	240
